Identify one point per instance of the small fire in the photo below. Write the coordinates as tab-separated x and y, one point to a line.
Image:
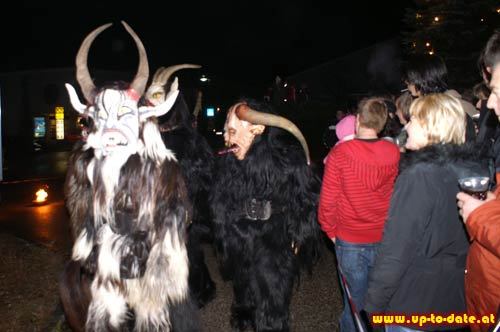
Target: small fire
41	196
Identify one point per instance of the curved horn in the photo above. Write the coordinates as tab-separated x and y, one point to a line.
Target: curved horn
165	73
82	72
141	78
157	74
247	114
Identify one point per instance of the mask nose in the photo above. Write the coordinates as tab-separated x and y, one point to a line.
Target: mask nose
112	137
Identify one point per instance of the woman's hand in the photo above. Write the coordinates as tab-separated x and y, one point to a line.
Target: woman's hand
467	203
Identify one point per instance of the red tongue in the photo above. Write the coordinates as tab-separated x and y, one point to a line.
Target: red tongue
227	150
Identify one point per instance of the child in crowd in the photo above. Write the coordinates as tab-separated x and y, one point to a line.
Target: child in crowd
345	130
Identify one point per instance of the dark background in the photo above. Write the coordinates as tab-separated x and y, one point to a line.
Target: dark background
243	43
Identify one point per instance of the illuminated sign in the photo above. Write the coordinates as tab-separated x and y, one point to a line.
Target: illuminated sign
59	129
59	113
38	127
59	122
210	111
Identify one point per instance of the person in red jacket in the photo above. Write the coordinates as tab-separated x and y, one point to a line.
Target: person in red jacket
354	200
482	220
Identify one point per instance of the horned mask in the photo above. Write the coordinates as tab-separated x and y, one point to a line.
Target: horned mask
115	111
243	124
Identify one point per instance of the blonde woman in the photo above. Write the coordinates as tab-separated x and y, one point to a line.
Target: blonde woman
421	261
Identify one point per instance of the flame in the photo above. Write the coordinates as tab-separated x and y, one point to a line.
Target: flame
41	196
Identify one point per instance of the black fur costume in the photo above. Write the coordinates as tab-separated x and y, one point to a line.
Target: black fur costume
196	161
263	257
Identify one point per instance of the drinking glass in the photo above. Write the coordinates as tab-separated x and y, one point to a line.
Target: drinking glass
476	186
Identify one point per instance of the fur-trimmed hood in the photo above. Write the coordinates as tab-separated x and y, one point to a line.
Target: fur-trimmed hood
464	160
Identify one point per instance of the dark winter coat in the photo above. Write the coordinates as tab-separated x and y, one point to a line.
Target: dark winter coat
421	261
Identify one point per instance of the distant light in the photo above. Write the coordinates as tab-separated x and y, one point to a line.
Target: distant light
210	111
285	100
218	109
431	52
41	196
498	10
203	78
436	19
482	20
418	16
218	133
285	85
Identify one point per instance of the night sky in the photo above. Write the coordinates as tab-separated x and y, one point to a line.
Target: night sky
241	41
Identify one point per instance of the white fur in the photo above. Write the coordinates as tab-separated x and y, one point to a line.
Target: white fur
177	268
153	144
107	301
110	173
94	141
165	281
110	253
82	247
90	171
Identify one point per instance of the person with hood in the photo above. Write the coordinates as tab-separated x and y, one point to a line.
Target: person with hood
357	185
421	261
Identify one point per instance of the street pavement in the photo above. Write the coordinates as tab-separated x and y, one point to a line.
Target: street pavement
316	301
23	175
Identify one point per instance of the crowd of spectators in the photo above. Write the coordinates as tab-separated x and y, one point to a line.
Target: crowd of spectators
392	204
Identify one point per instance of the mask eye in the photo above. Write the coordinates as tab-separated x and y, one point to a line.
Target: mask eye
102	114
157	95
123	110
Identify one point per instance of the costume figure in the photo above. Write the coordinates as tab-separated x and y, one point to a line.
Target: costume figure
196	161
129	213
264	203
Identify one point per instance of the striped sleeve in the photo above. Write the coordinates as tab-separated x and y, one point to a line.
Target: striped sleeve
330	190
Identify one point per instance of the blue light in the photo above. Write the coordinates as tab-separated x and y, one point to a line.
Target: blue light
39	127
210	111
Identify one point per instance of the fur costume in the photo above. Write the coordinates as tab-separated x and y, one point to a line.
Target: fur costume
264	209
196	161
129	212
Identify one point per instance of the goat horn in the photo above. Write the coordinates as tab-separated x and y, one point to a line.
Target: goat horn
163	74
82	72
141	78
